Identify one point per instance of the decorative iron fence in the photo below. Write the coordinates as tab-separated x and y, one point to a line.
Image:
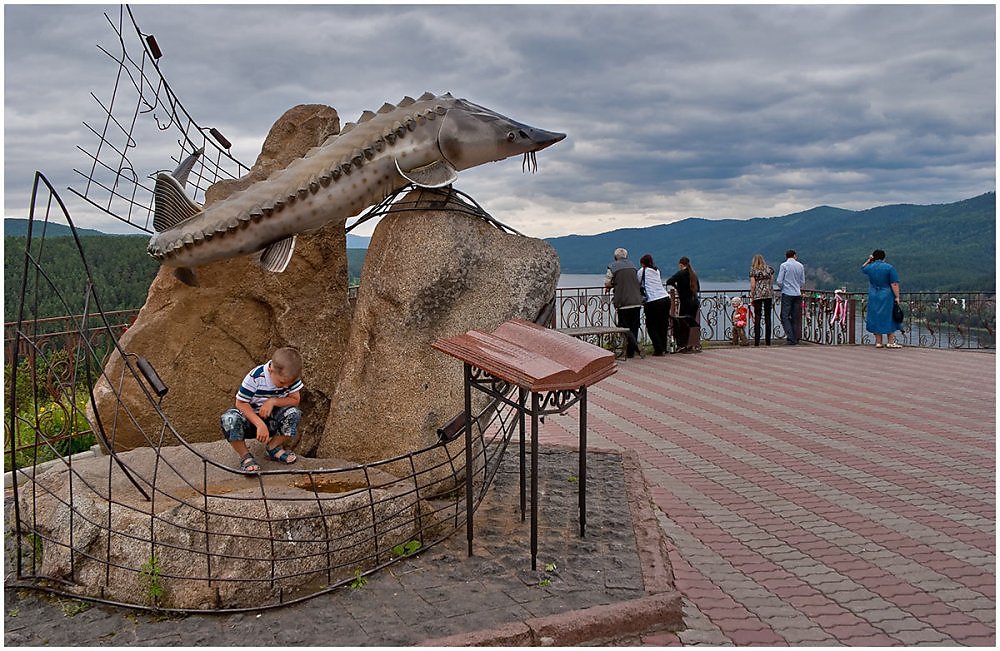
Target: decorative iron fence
965	320
168	527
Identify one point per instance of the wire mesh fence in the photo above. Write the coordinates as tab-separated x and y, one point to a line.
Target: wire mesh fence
173	527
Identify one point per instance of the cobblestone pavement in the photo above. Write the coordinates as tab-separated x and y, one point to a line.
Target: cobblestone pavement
816	495
582	591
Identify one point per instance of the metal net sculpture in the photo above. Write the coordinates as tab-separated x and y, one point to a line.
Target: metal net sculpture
162	527
144	109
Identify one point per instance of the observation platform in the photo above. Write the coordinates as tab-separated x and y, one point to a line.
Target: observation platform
816	495
809	496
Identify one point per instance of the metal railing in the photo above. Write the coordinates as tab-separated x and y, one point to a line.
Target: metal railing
960	320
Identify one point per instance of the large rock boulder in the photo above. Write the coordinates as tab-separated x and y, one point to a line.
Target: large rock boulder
203	339
431	271
210	538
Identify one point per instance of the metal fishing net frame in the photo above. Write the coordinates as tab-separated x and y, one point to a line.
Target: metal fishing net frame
397	516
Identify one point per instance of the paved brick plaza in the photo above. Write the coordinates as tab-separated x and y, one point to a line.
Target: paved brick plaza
816	495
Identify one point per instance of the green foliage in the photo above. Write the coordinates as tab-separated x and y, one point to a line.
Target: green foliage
831	242
73	607
122	273
150	572
546	581
49	414
359	581
35	545
406	548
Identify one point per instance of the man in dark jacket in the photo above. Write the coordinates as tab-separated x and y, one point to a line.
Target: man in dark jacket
623	278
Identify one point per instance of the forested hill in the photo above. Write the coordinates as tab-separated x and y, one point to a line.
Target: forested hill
949	247
19	227
121	268
936	247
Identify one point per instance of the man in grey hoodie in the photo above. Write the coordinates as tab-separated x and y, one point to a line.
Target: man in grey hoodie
627	297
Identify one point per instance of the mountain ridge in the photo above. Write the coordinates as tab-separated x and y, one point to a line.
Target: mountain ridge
935	247
831	242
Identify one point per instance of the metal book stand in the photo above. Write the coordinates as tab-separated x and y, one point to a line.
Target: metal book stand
554	368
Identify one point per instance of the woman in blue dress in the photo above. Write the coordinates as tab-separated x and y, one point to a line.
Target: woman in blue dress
883	294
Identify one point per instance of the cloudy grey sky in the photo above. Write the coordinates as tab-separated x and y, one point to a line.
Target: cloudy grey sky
671	111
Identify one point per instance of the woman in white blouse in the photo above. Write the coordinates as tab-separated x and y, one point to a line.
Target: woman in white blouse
656	304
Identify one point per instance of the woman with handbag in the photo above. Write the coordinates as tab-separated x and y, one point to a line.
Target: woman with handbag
884	314
656	304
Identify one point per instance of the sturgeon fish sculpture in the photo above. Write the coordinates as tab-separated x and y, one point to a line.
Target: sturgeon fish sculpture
425	142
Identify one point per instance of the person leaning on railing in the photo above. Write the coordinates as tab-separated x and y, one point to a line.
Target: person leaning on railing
687	326
657	305
627	296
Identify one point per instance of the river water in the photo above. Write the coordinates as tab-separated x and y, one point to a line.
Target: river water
597	280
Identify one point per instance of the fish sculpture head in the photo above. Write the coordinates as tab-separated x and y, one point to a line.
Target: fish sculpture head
471	135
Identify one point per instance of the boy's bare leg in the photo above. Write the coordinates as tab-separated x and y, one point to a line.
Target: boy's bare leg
240	447
276	442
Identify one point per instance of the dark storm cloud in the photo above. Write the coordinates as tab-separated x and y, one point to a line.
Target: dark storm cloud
672	111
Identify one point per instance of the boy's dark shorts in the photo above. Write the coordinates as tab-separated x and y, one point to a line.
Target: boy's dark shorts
283	421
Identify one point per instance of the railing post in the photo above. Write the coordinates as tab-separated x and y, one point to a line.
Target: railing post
852	310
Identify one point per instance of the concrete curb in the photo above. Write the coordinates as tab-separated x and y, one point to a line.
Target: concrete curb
660	609
589	625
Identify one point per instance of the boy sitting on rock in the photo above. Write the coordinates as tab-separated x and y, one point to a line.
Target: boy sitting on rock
266	409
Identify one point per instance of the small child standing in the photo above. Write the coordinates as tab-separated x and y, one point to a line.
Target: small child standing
267	408
740	318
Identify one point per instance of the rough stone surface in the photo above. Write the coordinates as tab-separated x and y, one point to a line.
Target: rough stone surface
267	535
203	339
430	272
439	594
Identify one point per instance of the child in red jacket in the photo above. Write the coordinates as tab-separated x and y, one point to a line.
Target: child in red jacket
740	318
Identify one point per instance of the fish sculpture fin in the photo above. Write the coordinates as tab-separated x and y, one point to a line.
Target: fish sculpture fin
182	171
277	255
171	205
433	175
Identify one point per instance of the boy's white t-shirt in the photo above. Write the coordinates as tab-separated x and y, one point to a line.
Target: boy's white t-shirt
257	387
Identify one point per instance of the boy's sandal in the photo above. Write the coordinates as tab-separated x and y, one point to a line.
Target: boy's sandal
893	345
283	456
878	345
249	464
